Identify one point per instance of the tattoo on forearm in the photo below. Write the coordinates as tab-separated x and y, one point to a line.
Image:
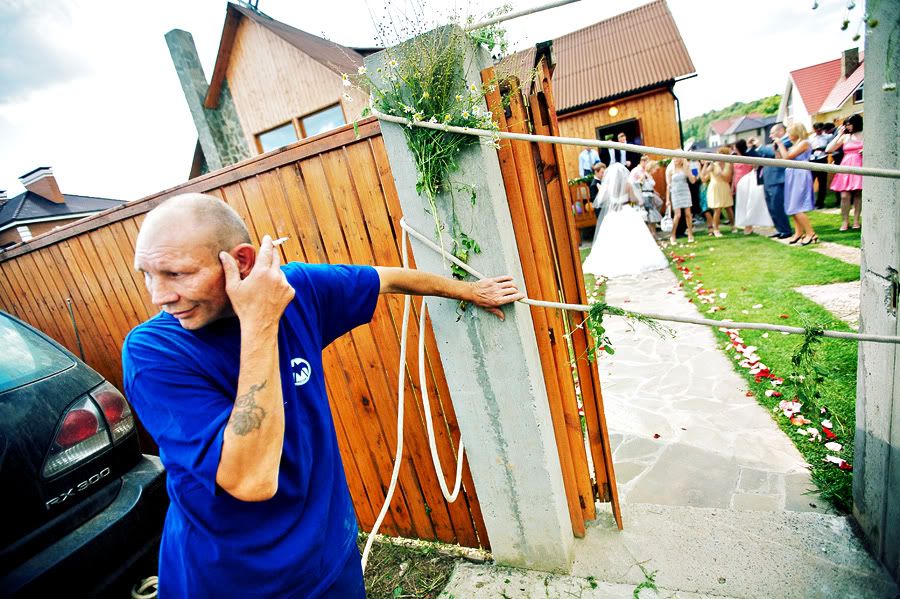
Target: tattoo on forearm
246	416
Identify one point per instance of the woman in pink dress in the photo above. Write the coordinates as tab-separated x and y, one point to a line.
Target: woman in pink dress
849	186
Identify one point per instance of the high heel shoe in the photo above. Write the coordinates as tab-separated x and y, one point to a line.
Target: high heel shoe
793	240
813	239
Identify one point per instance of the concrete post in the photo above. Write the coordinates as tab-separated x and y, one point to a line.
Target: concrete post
876	481
219	130
493	368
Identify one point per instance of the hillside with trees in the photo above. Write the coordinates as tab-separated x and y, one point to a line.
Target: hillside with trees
697	126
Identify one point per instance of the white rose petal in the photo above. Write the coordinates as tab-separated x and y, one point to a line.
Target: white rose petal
723	295
756	306
833	446
827	424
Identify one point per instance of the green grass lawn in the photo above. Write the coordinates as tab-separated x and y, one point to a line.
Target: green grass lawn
753	270
827	225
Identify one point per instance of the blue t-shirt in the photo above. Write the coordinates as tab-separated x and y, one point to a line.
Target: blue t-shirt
182	385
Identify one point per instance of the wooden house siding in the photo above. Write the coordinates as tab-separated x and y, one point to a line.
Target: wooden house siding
655	111
272	82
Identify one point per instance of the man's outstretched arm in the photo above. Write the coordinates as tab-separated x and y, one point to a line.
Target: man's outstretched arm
489	294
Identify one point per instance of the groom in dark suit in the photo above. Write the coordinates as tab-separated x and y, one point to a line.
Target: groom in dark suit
773	184
629	159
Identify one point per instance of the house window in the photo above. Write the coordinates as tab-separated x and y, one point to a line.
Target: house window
858	95
24	233
324	120
277	137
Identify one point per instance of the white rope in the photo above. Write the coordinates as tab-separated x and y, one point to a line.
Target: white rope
578	141
146	589
401	386
518	13
664	317
423	385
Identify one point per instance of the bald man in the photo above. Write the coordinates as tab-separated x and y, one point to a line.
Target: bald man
228	381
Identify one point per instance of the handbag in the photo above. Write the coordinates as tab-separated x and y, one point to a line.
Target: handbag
666	223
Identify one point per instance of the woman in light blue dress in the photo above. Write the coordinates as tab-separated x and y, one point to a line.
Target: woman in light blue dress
798	185
678	174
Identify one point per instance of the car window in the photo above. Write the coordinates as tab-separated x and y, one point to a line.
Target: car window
26	356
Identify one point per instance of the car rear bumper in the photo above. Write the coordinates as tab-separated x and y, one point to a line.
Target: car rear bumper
109	552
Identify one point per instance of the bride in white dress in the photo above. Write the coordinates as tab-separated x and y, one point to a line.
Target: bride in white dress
622	244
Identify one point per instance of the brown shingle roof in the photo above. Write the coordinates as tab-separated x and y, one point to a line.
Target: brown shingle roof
638	49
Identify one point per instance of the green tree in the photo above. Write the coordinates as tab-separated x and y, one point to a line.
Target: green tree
698	126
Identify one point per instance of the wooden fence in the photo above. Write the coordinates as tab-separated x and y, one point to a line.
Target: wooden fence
334	196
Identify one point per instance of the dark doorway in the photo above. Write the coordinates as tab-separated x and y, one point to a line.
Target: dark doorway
632	130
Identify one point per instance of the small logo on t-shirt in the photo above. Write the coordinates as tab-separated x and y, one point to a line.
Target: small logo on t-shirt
301	371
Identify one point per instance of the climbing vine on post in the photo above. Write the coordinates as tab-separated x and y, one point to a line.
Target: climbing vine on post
425	79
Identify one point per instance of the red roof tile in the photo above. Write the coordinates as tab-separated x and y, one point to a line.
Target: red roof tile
843	88
816	82
635	50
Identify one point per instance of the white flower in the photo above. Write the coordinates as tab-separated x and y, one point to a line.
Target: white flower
346	80
408	109
392	63
432	120
473	88
418	116
476	111
458	98
362	70
465	114
447	118
425	95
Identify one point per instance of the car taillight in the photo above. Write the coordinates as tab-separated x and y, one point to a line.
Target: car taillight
115	410
81	434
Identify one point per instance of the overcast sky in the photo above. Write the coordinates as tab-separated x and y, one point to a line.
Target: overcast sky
88	88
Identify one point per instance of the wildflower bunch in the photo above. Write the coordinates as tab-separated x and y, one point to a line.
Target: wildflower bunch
426	78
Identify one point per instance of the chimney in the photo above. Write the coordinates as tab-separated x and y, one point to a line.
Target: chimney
42	182
849	62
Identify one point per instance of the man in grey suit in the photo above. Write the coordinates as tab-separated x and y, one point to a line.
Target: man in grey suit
773	184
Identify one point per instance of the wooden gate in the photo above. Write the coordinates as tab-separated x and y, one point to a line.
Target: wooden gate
538	193
334	196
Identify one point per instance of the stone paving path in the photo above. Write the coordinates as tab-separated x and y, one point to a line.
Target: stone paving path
714	495
683	430
844	253
841	299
